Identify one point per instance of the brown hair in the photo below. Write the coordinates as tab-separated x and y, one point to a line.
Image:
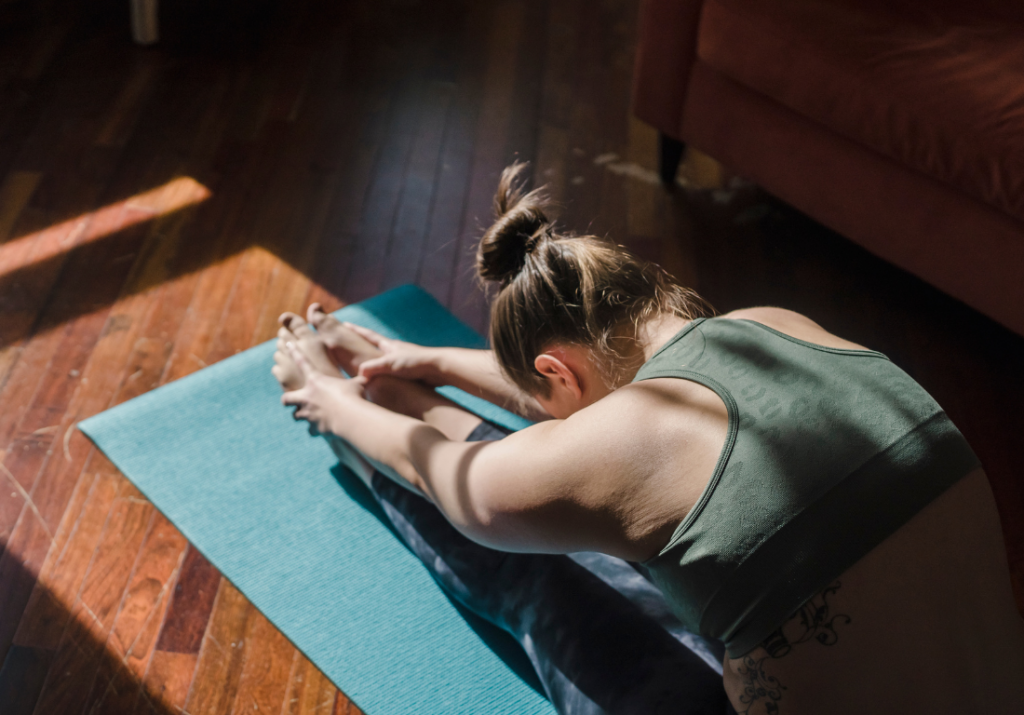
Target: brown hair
559	287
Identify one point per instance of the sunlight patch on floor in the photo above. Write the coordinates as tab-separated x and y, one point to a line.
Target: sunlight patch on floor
57	239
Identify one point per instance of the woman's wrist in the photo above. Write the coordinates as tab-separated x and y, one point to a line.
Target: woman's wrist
442	368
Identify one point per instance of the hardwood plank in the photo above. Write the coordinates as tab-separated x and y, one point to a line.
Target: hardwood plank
105	372
344	706
558	82
201	323
412	216
191	604
287	289
292	87
130	644
382	200
337	247
19	463
15	192
147	595
26	55
209	332
702	172
99	377
21	679
61	578
95	608
50	227
242	311
644	209
120	684
219	669
490	156
24	378
278	286
318	294
158	311
68	480
595	128
527	90
440	253
98	280
167	681
115	689
22	559
550	171
73	668
90	226
61	379
67	118
309	690
263	682
126	107
47	45
291	288
367	97
650	209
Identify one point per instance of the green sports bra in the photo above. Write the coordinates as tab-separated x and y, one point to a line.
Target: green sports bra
828	452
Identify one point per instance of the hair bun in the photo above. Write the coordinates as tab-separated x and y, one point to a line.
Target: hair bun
520	224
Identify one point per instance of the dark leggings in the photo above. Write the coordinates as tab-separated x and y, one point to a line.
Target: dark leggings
599	635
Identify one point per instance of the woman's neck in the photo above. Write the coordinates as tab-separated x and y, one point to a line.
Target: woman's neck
657	331
644	342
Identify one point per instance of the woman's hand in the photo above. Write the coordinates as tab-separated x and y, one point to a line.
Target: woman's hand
323	400
400	359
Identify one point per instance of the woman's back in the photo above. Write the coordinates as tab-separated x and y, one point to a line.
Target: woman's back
828	452
925	621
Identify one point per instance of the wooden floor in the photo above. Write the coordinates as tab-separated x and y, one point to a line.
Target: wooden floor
160	207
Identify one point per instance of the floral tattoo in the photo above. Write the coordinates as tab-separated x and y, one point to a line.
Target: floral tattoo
814	621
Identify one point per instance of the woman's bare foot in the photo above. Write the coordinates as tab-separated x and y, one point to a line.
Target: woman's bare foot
333	346
348	349
295	330
329	348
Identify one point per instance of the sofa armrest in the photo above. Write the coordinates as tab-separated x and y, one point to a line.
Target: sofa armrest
666	48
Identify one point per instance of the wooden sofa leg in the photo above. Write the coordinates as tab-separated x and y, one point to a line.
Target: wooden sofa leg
670	153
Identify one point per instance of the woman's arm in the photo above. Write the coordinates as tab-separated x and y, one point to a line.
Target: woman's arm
475	371
532	491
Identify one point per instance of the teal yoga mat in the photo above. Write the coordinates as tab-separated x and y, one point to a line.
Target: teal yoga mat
270	506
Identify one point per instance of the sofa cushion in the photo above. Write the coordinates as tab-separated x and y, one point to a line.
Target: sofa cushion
929	83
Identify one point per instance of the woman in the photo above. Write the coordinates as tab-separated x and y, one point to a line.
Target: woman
794	495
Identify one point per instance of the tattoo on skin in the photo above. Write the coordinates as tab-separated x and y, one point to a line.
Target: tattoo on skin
815	620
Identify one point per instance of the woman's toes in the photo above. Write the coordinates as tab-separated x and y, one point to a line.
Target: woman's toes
295	329
318	318
287	372
286	318
333	332
301	328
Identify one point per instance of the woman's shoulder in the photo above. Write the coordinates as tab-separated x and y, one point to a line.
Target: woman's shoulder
793	324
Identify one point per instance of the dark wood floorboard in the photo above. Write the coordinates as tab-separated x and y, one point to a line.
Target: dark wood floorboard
325	151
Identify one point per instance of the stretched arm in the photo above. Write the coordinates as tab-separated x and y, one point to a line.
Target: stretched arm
533	491
475	371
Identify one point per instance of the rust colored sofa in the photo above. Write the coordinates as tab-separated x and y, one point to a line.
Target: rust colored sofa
898	123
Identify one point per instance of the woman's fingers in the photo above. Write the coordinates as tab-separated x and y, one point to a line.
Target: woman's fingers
376	339
376	366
